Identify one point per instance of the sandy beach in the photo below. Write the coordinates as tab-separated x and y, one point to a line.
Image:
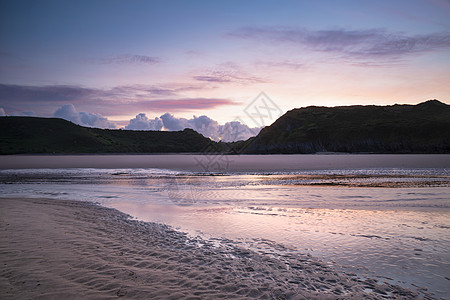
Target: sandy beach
53	249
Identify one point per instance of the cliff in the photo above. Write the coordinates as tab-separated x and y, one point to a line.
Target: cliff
421	128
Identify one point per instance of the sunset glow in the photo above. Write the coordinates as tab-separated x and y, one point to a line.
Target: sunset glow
117	59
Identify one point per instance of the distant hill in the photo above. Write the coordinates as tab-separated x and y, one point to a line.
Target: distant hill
421	128
50	135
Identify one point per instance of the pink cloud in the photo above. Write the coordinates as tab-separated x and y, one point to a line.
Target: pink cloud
116	101
182	104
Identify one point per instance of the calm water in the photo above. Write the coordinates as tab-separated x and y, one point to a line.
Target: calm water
381	216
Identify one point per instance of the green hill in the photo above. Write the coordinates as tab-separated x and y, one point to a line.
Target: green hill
422	128
49	135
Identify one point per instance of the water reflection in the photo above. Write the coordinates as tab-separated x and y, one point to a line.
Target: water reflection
383	230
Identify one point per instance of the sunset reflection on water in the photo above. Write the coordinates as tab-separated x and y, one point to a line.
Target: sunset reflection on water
389	224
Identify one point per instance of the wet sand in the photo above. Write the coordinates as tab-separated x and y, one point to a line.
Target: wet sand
54	249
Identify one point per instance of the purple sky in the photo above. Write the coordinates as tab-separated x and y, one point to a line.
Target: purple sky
113	60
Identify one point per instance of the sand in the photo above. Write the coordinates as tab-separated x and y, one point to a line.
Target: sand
55	249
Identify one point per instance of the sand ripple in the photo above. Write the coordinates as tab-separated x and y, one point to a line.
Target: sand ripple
54	249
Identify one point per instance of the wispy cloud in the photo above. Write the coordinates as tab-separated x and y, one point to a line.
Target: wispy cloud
373	43
228	72
220	77
186	104
115	101
10	93
286	64
126	59
153	91
139	90
212	78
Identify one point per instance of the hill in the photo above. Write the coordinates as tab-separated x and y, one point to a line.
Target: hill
50	135
421	128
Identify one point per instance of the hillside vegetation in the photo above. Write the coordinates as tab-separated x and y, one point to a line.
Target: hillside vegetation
421	128
49	135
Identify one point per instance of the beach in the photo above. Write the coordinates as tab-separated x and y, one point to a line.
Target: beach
53	248
225	150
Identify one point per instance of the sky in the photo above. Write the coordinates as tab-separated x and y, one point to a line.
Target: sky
162	65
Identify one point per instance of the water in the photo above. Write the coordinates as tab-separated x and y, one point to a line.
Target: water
383	218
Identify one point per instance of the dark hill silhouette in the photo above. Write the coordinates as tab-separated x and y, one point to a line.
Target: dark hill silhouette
421	128
50	135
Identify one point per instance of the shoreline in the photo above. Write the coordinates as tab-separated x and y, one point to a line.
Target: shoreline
220	153
59	248
228	163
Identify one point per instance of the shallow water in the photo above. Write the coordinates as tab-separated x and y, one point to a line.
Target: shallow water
390	223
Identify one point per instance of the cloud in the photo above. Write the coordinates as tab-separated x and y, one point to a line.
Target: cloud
236	131
141	122
142	90
126	59
172	123
228	77
2	112
286	64
229	132
187	104
372	43
69	113
211	78
228	73
49	93
206	126
118	100
95	120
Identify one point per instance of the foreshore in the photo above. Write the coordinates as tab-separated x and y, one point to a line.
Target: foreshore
54	249
229	163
